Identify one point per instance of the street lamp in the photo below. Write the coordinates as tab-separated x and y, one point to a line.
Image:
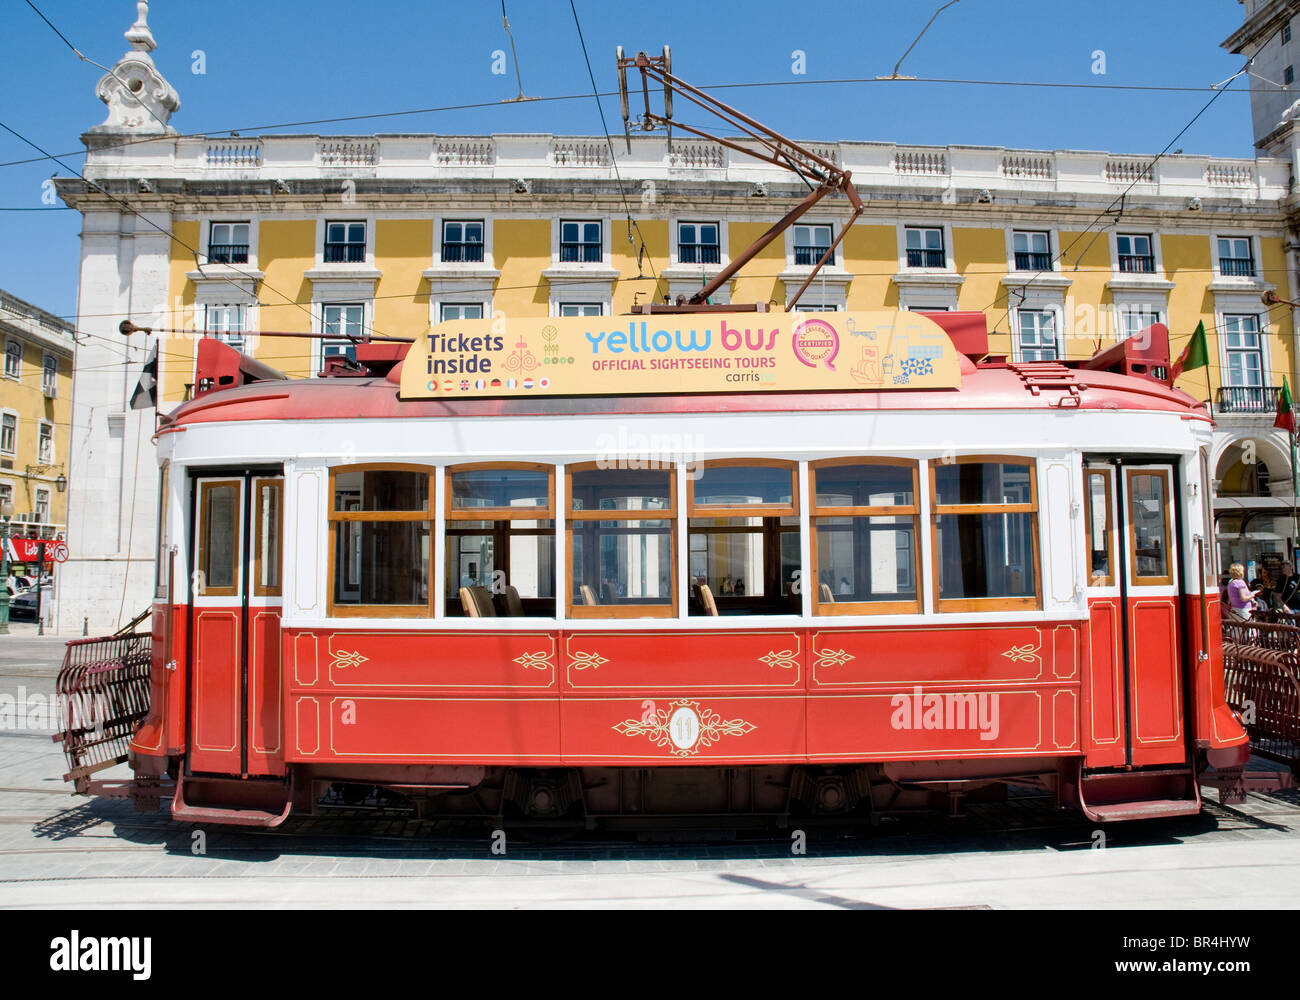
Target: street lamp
61	484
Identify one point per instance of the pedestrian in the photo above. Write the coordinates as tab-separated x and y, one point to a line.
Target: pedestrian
1241	600
1288	589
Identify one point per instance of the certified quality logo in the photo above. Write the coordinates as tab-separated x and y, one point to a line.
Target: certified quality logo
816	342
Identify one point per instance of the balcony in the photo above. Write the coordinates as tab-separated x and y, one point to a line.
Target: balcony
1237	267
345	253
808	256
1026	261
585	253
1247	398
462	253
1136	264
926	258
699	253
227	253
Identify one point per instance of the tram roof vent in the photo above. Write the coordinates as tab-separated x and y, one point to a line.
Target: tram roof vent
1145	355
220	366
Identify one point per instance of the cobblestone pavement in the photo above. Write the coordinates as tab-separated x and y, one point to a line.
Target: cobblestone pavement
59	850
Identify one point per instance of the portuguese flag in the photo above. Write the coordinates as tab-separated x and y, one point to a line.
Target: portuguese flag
1285	416
1195	354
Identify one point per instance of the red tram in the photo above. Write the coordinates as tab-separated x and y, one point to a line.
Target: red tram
877	572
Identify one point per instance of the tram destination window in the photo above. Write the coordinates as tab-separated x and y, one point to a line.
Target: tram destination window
622	547
985	533
500	525
865	521
380	541
744	539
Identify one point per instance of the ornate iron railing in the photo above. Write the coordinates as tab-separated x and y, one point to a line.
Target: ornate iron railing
1261	672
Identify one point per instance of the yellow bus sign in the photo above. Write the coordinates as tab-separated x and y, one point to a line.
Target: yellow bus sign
680	353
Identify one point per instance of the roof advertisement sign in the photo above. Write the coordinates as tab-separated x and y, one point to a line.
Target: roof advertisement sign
680	353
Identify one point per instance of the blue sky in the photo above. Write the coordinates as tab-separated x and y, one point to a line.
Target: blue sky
290	60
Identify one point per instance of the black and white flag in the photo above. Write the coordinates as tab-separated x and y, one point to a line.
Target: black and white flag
146	391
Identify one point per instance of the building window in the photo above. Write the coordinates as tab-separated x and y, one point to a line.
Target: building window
1244	351
501	541
1286	35
45	443
345	243
43	506
228	243
462	242
744	539
341	325
13	359
815	308
50	375
925	247
1033	251
226	323
697	243
9	433
1135	319
1236	257
1036	334
466	310
7	496
380	539
1135	256
622	542
1288	75
580	309
580	242
810	242
985	533
865	523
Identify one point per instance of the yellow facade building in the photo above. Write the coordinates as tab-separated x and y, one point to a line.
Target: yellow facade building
35	417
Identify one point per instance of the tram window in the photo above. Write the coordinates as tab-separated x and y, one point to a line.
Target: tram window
162	581
985	534
1148	519
268	527
622	542
501	535
1097	523
219	536
744	538
865	520
380	541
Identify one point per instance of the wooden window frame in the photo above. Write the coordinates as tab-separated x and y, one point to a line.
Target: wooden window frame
499	513
200	561
937	510
428	516
790	509
669	514
912	510
1108	474
452	516
1130	528
277	484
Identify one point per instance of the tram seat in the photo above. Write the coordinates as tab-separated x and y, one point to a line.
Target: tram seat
477	602
825	595
704	595
588	595
607	594
514	607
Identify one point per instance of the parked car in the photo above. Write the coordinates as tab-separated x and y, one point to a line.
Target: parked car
22	607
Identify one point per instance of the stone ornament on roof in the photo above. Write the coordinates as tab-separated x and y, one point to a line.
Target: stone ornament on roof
139	98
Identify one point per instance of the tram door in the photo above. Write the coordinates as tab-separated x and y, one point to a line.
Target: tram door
235	598
1134	604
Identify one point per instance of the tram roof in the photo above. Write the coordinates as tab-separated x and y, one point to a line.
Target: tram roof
984	387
